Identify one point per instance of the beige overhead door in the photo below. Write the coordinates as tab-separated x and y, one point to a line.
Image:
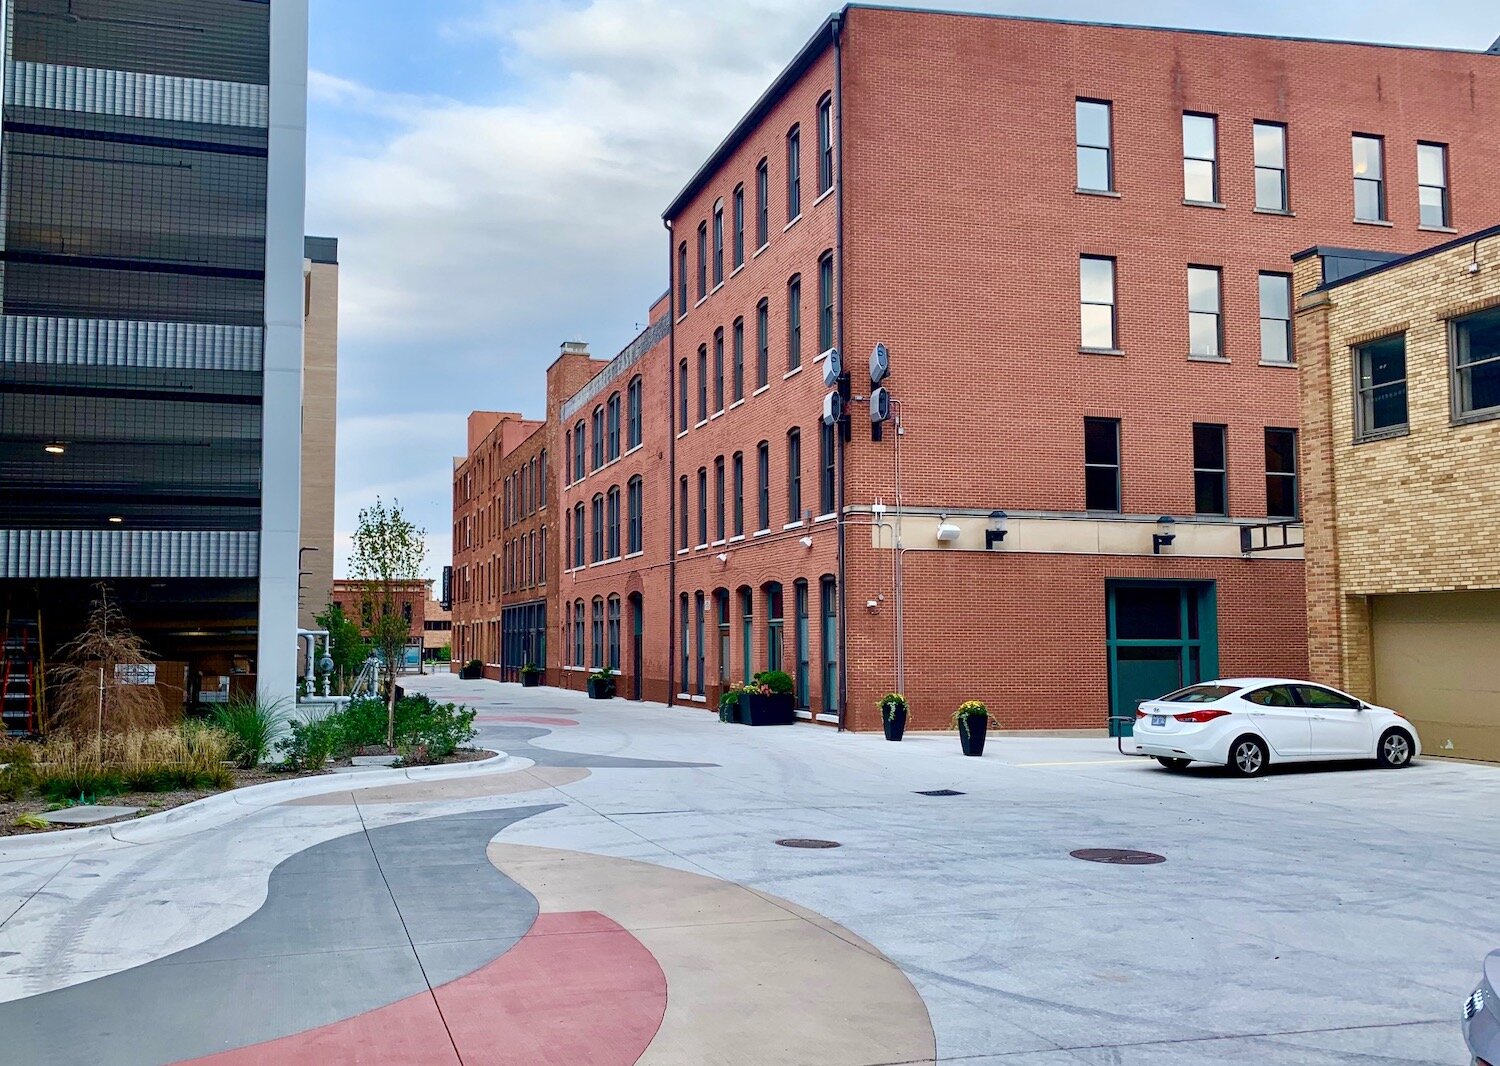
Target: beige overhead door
1437	661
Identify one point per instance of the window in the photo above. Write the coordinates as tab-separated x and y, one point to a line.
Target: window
613	428
1275	696
1210	475
567	452
803	643
1275	318
773	626
719	500
541	556
794	322
825	144
739	494
702	383
828	595
1091	120
1101	464
598	519
762	344
738	355
633	412
1317	696
794	475
635	492
1432	184
1200	159
613	500
542	488
578	534
828	469
1205	330
721	616
1369	178
578	633
1476	365
614	633
682	395
719	369
567	540
1096	295
597	428
793	174
763	485
747	633
682	279
682	512
702	505
698	630
825	302
579	449
682	605
762	204
597	645
1270	166
567	634
1281	473
702	260
1380	374
738	241
718	244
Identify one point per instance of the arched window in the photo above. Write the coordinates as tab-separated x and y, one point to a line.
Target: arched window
794	322
541	476
738	495
793	174
698	627
702	383
598	520
762	203
597	660
747	632
763	485
774	607
686	634
793	475
613	522
703	505
719	500
567	540
738	242
702	260
613	430
567	634
825	302
718	243
635	508
579	450
719	370
578	534
614	633
825	144
762	345
721	617
682	396
598	431
633	413
737	357
578	633
803	640
682	512
567	451
682	279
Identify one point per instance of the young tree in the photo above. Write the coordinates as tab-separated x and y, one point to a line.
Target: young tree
104	680
388	555
347	646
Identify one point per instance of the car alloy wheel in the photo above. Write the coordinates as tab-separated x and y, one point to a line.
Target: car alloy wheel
1395	749
1248	757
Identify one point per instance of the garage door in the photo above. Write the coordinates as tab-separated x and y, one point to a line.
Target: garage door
1437	661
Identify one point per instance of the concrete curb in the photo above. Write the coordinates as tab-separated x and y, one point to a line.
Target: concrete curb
227	806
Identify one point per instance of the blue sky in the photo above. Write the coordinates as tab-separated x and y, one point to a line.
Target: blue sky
495	170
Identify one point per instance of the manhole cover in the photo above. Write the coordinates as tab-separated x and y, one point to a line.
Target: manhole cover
798	842
1118	857
940	792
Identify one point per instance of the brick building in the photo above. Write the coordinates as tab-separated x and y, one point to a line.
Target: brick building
1081	271
1401	427
412	598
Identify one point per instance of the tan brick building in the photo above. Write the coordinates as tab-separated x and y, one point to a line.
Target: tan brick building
413	599
1401	439
320	380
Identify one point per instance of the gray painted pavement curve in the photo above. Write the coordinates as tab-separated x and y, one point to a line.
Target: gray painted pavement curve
348	926
516	740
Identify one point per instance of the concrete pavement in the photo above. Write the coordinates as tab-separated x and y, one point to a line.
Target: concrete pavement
1316	916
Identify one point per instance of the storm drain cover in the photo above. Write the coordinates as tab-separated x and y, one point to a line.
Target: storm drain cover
800	842
940	792
1118	857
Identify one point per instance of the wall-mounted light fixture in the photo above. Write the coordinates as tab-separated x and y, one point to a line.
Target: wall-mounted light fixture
806	542
996	533
723	557
947	532
55	447
115	520
1163	537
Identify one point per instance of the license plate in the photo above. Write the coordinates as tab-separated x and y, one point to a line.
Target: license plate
1158	719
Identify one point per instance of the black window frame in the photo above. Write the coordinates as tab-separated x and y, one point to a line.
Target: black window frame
738	525
737	242
1117	465
1283	325
702	384
1293	476
719	370
682	279
1211	160
1277	171
1217	314
828	469
1211	469
763	485
737	348
1382	209
702	506
825	144
1444	203
682	395
634	412
1113	304
1080	147
762	204
793	174
703	260
635	507
794	475
1365	399
794	322
1461	386
762	344
718	243
825	302
719	501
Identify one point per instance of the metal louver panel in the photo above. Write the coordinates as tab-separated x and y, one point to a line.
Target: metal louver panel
104	342
122	92
90	553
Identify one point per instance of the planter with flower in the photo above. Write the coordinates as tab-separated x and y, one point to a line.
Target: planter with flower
473	670
602	684
531	675
972	719
893	715
729	704
767	700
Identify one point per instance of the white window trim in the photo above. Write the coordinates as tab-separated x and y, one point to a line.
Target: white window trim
792	372
825	194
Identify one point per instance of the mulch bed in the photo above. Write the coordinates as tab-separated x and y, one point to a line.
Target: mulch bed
156	802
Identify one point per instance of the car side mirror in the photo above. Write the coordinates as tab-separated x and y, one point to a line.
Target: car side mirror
1364	706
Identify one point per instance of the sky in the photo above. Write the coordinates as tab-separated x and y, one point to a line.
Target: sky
495	171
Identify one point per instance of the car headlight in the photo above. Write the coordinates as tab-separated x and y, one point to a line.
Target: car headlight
1474	1004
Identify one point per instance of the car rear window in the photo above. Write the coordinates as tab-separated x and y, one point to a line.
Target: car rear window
1200	694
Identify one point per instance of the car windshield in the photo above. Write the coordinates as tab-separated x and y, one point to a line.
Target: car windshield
1200	694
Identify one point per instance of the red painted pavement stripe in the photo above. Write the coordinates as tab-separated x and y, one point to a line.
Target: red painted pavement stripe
577	989
530	719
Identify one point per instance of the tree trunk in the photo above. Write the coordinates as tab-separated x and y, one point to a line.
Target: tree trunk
390	708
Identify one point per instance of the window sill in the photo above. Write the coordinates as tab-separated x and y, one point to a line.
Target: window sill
682	551
737	403
762	248
1208	358
1487	415
1374	222
681	433
825	194
1101	351
761	533
792	223
636	555
829	517
700	301
1383	434
701	547
717	414
763	388
700	423
1437	229
633	449
684	697
1272	211
1286	363
806	716
831	719
791	373
718	543
717	286
737	269
736	538
698	699
791	525
1214	204
1110	194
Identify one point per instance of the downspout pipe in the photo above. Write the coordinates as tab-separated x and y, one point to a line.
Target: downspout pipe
843	595
674	385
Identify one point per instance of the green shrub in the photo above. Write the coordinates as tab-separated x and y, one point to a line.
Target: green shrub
312	743
362	724
778	681
68	768
17	772
254	724
441	728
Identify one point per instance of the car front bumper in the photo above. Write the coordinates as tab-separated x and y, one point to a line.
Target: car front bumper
1481	1023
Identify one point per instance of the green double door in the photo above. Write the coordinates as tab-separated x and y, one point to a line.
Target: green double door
1162	635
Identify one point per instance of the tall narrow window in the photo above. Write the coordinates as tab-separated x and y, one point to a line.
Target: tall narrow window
702	260
613	427
1369	178
578	534
738	242
567	540
682	513
737	345
1276	318
682	396
633	413
1205	323
698	629
567	454
827	469
1210	475
774	619
702	505
1476	365
1380	376
702	383
1096	294
1092	121
598	520
719	369
636	507
597	643
747	633
1200	159
803	642
763	485
579	449
682	279
825	144
721	616
794	322
718	244
828	595
614	633
825	302
1432	184
1101	464
541	556
614	522
793	174
687	630
794	475
578	633
1281	474
596	428
1270	166
762	204
739	494
762	344
719	500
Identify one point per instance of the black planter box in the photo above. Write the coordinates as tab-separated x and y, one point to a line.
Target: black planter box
895	722
530	680
601	690
469	673
971	732
767	710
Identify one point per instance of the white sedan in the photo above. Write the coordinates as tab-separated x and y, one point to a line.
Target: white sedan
1247	724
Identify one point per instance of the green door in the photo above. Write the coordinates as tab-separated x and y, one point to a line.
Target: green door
1162	635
